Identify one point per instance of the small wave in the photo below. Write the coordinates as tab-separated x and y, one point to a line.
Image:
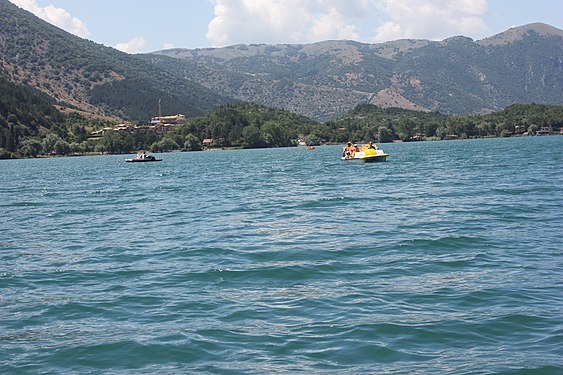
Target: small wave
26	204
443	243
329	202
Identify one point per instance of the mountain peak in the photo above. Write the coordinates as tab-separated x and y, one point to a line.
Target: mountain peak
516	33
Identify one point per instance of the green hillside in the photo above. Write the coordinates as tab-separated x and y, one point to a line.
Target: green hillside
23	112
80	74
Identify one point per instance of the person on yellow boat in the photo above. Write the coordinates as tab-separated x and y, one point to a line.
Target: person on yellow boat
371	146
348	151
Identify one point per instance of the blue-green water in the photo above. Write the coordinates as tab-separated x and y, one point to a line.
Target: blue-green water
446	259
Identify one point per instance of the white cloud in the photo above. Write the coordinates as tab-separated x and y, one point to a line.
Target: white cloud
56	16
390	31
168	45
288	21
431	19
135	45
303	21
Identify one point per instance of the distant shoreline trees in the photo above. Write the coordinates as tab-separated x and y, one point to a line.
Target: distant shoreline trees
32	131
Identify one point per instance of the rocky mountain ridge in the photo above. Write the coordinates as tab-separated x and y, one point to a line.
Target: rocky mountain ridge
325	79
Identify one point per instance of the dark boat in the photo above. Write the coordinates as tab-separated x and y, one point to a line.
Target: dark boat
142	158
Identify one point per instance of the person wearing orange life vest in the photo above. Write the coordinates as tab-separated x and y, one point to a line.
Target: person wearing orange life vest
355	149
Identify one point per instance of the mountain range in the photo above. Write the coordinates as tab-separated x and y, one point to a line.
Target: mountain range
454	76
321	80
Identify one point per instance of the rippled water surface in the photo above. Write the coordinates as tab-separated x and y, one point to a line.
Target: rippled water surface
445	259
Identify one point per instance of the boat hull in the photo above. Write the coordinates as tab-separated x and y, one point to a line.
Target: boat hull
133	160
375	158
367	156
367	159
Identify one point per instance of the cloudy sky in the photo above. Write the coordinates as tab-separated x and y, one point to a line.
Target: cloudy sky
147	25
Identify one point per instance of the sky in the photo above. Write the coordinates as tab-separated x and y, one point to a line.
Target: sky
139	26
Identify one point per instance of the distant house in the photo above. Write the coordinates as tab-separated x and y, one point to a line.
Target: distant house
545	130
175	119
99	133
159	127
126	127
451	136
207	142
165	124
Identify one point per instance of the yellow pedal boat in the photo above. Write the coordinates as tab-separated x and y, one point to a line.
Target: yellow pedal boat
366	153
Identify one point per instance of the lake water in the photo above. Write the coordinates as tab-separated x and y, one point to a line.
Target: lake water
446	259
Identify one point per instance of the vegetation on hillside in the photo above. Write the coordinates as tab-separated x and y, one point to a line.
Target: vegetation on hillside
249	125
30	125
81	74
325	80
368	122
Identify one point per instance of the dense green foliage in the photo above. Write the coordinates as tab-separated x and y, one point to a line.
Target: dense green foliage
23	112
249	125
367	122
30	126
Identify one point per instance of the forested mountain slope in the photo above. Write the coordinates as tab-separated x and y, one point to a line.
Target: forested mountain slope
323	80
90	77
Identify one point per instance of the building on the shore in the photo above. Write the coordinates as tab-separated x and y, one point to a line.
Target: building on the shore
175	119
161	124
545	130
166	124
207	142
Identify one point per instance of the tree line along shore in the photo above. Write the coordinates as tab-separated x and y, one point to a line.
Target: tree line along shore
41	130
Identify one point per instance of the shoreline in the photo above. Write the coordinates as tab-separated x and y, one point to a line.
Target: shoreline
45	156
